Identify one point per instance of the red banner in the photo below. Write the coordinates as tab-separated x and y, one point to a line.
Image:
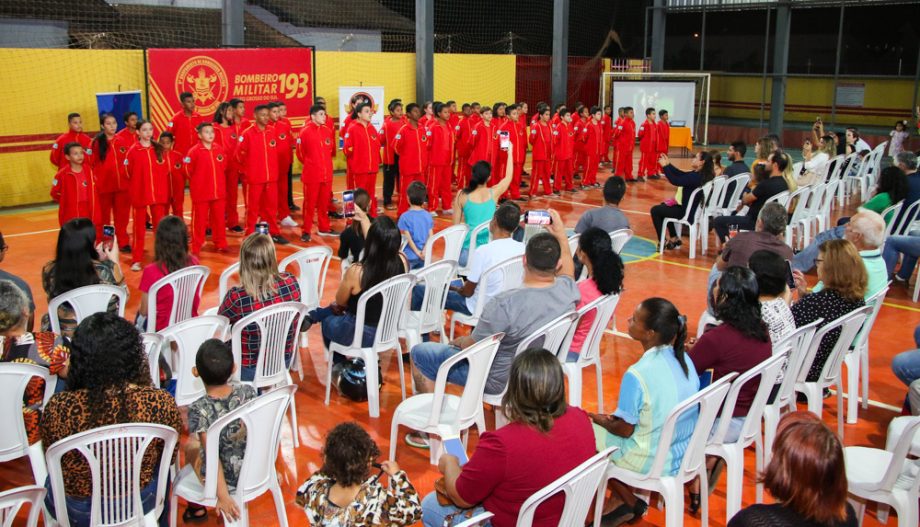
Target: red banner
212	76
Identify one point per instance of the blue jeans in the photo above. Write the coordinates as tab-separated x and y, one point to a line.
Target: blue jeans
428	357
805	260
417	263
909	246
340	329
455	301
434	514
79	509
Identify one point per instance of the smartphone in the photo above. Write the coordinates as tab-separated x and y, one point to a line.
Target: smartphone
108	236
790	278
504	139
537	217
348	203
262	228
454	447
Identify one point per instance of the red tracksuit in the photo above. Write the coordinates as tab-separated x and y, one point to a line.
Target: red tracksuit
149	189
482	144
606	127
411	145
127	137
625	144
564	151
184	130
362	154
440	165
464	132
231	139
648	146
57	148
315	148
592	136
541	142
112	186
257	155
501	156
75	193
343	131
176	183
206	169
664	136
579	153
285	158
517	133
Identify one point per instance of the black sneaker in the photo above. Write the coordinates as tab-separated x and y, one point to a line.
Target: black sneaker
149	226
235	228
336	215
523	184
125	248
207	231
294	208
280	240
305	238
557	193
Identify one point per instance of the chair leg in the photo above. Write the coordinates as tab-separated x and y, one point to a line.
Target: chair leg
500	419
599	501
664	229
770	422
394	435
434	449
573	372
600	385
402	372
759	466
293	410
840	417
328	375
173	508
674	505
859	507
852	363
37	461
864	374
734	483
279	504
881	513
373	383
692	239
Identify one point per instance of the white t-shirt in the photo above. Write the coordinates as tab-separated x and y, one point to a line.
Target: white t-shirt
485	257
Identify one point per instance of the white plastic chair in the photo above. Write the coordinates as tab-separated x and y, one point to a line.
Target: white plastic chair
895	211
262	417
427	412
186	283
474	238
86	301
733	453
276	324
14	441
115	454
188	336
394	294
553	336
619	238
873	472
153	345
831	372
729	202
795	345
713	206
824	213
230	274
512	273
436	278
590	355
573	243
577	485
802	221
693	464
782	198
900	226
312	266
12	500
693	223
857	358
453	237
799	212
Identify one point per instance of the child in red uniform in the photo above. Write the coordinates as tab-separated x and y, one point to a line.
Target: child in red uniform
626	143
108	162
648	145
481	143
74	187
315	148
607	125
541	142
592	135
463	130
176	175
362	152
440	161
664	133
428	118
615	130
563	151
236	124
183	125
148	170
128	134
391	125
282	129
517	134
411	147
206	167
257	155
73	135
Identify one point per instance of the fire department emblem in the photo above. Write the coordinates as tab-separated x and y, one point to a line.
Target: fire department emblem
206	79
357	99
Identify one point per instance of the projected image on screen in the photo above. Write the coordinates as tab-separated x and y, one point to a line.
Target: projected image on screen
678	98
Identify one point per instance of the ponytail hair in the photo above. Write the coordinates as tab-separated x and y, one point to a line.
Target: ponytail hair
479	176
606	265
157	147
662	317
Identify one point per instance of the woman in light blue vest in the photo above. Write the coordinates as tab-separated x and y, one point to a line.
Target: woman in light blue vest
663	378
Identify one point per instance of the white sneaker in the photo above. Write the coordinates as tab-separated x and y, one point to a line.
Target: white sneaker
434	214
288	222
448	212
136	267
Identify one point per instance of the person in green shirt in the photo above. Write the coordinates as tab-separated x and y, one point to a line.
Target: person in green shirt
891	188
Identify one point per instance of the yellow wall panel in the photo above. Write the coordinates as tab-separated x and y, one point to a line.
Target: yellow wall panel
468	78
45	85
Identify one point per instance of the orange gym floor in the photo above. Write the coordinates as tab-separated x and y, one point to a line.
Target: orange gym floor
31	235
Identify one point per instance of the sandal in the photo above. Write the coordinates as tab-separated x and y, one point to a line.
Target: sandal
695	503
622	514
417	440
194	513
639	510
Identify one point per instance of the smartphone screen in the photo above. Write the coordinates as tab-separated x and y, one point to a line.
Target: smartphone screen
537	217
504	140
348	204
108	235
790	278
262	228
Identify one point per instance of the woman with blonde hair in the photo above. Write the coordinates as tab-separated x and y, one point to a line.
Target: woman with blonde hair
261	285
841	289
